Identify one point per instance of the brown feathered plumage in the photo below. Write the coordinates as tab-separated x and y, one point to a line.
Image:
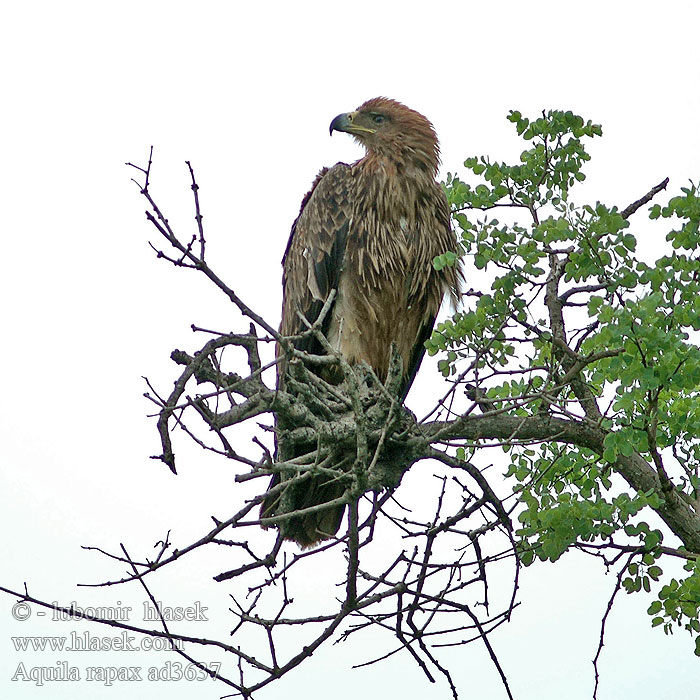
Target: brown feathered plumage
369	231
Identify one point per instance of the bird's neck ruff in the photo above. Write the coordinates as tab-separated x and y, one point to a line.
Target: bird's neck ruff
400	174
402	160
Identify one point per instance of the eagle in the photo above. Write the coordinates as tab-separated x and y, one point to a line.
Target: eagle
368	232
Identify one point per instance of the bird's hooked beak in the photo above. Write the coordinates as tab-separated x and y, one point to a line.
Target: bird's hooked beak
348	123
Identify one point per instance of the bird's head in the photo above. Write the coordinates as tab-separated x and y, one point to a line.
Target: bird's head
387	128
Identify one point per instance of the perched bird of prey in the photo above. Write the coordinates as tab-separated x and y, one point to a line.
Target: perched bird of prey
369	231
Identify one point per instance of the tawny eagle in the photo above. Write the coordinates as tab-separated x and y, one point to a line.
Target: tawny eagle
369	231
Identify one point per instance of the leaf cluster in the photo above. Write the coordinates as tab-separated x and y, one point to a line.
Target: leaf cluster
569	317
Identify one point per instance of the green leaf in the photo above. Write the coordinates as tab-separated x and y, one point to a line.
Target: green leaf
654	608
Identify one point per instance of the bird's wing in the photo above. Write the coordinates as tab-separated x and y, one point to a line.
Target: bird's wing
417	353
314	256
442	239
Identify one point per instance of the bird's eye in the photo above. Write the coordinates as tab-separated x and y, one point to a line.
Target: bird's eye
378	118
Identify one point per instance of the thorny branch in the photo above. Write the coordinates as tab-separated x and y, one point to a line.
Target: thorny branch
608	608
356	423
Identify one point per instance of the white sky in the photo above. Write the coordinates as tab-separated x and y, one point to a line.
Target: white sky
246	92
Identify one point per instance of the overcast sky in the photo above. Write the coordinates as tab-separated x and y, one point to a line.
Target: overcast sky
246	91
